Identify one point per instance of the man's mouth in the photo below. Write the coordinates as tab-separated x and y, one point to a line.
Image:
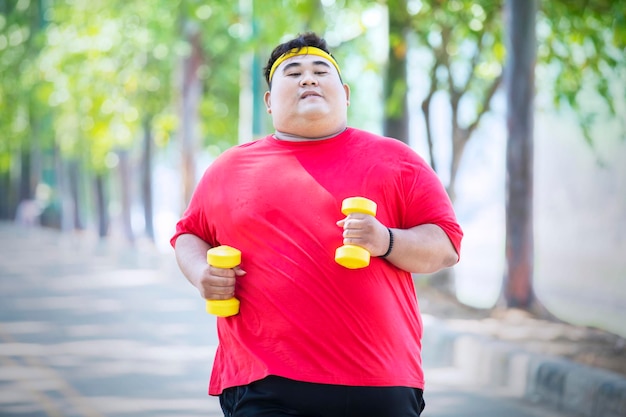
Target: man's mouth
308	94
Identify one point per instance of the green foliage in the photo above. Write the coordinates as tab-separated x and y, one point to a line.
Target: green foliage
465	41
108	65
20	41
582	45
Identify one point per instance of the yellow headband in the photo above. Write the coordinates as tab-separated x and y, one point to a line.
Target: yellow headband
305	50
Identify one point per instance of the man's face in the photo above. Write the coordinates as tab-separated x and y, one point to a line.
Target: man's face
307	97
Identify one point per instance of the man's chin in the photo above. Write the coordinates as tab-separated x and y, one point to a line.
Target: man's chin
314	110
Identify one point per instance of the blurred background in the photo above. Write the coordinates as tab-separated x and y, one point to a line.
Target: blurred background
111	110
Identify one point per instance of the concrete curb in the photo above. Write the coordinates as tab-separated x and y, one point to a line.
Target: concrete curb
548	380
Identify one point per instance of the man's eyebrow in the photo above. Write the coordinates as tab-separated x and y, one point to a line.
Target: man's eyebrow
297	64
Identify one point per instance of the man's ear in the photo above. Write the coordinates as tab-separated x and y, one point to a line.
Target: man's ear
346	88
268	101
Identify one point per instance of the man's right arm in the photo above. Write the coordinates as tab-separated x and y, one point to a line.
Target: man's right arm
212	283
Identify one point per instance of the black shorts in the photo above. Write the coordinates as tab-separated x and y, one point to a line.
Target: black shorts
278	397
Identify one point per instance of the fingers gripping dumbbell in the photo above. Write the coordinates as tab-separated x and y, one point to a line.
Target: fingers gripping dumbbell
353	256
223	257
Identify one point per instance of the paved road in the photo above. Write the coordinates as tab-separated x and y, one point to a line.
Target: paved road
89	329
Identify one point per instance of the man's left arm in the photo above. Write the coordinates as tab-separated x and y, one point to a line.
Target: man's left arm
422	249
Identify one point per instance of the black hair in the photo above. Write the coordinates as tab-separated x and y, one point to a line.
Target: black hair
301	41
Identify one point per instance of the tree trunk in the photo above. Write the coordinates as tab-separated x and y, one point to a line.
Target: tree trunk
65	216
74	194
429	130
125	191
517	290
146	179
396	123
460	137
190	101
7	202
102	205
26	188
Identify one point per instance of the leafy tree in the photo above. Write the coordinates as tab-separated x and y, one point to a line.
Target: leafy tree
581	43
461	48
104	86
581	46
23	119
90	85
465	52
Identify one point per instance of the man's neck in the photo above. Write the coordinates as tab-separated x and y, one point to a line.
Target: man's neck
298	138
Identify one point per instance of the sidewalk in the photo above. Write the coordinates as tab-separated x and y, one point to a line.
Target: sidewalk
95	329
550	381
90	328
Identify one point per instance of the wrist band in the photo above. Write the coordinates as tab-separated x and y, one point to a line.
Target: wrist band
390	244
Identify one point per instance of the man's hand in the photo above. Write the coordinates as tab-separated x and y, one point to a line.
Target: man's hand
366	231
218	283
212	283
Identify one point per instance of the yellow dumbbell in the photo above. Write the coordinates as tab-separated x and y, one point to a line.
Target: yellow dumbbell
352	256
223	257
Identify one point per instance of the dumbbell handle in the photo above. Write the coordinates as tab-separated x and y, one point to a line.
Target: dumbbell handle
353	256
223	257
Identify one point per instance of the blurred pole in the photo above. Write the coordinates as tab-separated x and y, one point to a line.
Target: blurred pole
519	82
246	61
146	177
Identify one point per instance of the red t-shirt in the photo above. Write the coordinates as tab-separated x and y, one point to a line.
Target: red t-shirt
302	315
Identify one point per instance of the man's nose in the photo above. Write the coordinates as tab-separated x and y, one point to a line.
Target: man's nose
308	78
